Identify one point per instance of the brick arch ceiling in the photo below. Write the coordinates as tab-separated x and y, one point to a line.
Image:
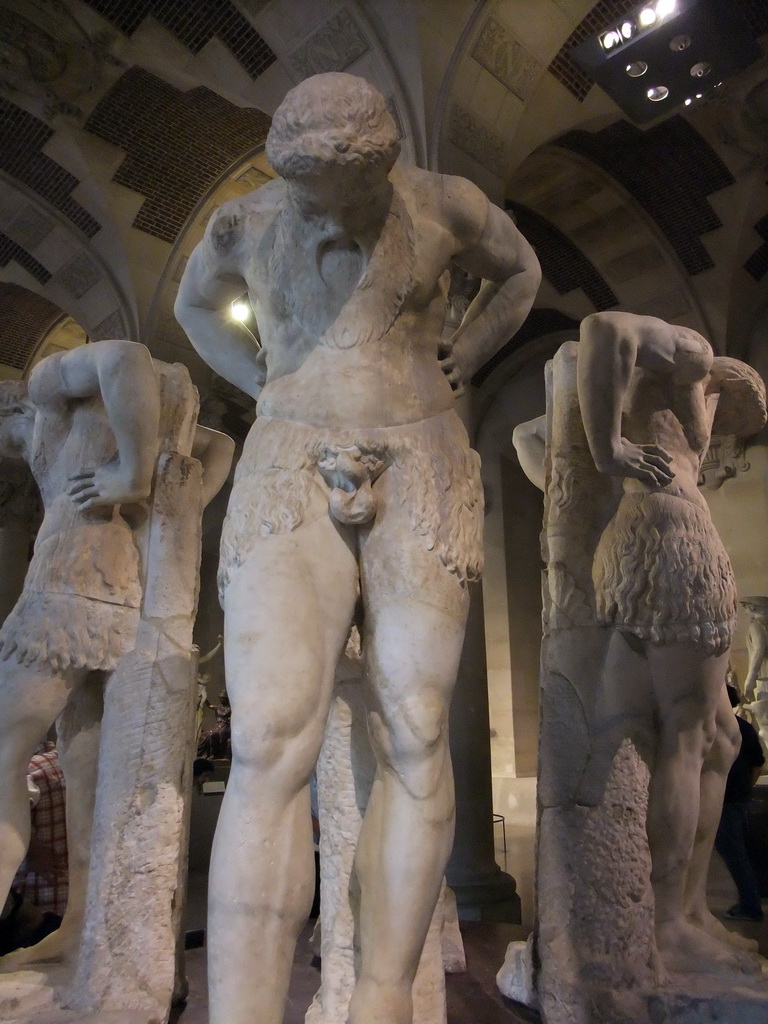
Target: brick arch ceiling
26	318
177	144
670	170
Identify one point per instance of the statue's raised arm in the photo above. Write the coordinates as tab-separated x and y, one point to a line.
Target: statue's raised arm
612	346
489	247
112	369
213	279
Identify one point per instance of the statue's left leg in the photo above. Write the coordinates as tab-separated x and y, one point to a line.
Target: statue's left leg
415	614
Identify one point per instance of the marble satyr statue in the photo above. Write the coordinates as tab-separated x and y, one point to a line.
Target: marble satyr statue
641	642
357	477
756	683
114	571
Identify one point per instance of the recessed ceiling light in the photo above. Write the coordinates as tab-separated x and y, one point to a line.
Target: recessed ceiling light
680	43
701	69
636	68
657	93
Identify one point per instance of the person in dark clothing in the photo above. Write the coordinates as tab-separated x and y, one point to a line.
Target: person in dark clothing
730	841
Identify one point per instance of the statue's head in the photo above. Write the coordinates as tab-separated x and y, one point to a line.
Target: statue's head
332	120
741	408
755	605
17	414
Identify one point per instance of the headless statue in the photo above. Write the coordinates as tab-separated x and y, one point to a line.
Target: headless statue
93	454
357	477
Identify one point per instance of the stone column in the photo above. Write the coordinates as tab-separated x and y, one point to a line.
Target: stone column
127	963
483	891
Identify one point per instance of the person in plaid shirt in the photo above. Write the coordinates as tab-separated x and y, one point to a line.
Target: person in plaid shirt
43	878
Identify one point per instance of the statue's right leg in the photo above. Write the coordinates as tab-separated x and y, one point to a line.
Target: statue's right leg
714	775
78	731
287	613
688	686
31	698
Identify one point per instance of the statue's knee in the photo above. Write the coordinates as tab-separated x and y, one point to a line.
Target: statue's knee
283	749
418	747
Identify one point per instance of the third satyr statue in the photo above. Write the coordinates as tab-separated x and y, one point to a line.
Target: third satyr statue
356	478
637	735
663	579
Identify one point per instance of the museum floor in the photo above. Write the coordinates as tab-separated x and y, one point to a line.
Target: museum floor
472	997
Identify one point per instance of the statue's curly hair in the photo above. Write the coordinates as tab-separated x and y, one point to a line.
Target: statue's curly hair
331	119
741	409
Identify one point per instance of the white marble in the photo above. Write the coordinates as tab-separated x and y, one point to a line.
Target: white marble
357	473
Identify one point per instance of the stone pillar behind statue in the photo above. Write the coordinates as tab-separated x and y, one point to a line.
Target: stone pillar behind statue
483	891
127	959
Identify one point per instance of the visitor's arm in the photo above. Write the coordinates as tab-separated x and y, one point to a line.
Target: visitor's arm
611	346
215	451
212	281
490	247
122	372
530	439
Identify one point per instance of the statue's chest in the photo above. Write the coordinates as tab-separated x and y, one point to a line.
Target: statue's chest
327	276
339	289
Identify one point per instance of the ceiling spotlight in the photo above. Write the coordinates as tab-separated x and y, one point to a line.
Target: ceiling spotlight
666	7
611	39
647	17
680	43
688	102
699	95
241	310
689	45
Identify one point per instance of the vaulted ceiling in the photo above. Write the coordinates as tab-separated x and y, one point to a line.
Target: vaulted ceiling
123	123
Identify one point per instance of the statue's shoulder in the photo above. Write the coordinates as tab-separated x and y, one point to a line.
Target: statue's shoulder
45	385
420	186
454	202
246	216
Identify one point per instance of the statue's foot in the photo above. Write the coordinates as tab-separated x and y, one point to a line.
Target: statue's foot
708	923
55	948
684	948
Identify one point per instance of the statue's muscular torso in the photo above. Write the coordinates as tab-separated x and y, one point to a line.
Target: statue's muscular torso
675	416
346	348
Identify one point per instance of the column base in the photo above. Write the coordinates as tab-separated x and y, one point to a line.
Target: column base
492	898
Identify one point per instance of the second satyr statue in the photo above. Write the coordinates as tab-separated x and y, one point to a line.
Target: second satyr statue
357	478
664	582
